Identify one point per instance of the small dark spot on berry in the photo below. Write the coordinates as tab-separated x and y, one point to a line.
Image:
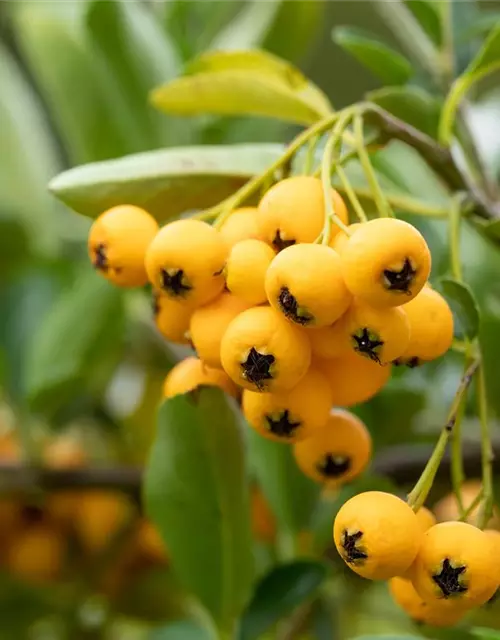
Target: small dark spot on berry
333	466
174	283
400	280
353	551
365	346
290	307
256	368
449	579
279	243
100	258
284	426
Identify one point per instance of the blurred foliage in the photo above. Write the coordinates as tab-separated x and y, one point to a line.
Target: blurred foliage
74	354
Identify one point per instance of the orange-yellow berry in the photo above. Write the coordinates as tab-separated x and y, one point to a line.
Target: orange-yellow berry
172	318
454	566
435	615
36	554
305	284
386	262
99	517
340	240
208	326
186	262
118	242
448	509
431	328
338	452
246	268
241	225
293	211
290	416
150	543
263	352
353	379
191	373
377	535
426	519
263	520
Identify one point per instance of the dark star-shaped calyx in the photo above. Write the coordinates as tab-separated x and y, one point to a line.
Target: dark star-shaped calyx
256	367
353	553
290	307
333	466
283	426
448	579
367	346
400	280
174	282
279	243
100	258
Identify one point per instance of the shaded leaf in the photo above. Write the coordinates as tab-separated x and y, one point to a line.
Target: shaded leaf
243	82
488	57
166	182
196	492
278	594
67	338
482	24
292	495
182	630
428	14
483	633
463	304
383	61
410	104
389	636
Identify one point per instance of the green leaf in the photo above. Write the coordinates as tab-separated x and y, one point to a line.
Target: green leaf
243	82
166	182
389	636
483	633
182	630
482	24
463	305
410	104
488	57
383	61
28	160
428	14
291	495
85	107
138	54
196	491
67	338
278	594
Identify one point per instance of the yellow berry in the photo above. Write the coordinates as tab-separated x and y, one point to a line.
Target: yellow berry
186	261
263	520
261	351
150	543
246	269
453	566
290	416
377	535
447	508
305	284
340	240
36	554
338	452
190	373
99	517
426	519
353	379
293	211
209	324
241	225
172	318
381	335
117	245
386	262
431	327
435	615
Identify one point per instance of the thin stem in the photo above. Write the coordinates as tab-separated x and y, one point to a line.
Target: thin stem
466	512
447	52
351	194
310	153
454	239
381	203
227	205
418	495
327	164
486	451
457	466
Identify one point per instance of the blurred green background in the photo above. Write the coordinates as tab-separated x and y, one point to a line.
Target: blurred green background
82	361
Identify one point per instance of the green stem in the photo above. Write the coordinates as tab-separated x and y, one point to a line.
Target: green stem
234	200
309	159
486	450
466	512
384	209
327	165
447	51
454	238
351	194
419	493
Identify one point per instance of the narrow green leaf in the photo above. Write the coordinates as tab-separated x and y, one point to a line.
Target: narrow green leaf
67	337
29	157
490	229
182	630
383	61
428	15
196	491
278	594
243	82
410	104
463	305
166	182
489	55
138	55
291	495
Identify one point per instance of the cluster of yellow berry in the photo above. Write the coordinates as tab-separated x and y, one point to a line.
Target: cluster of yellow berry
437	572
301	314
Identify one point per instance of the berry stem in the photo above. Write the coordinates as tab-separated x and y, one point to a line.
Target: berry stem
454	239
327	164
381	202
486	451
466	512
351	194
310	153
419	493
